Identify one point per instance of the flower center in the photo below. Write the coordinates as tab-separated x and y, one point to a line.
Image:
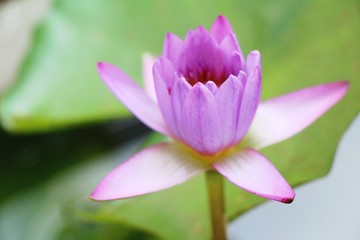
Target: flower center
203	75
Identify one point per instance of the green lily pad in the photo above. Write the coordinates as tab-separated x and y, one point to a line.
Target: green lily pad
30	160
59	86
302	43
47	211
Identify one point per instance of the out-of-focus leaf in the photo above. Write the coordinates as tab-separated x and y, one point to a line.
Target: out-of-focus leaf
17	20
303	43
58	84
48	211
26	161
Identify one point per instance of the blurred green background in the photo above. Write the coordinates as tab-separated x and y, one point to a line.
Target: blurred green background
62	130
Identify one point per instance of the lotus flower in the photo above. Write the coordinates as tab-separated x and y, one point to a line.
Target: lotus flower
207	101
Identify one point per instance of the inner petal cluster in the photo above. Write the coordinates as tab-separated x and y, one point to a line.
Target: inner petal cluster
201	59
207	93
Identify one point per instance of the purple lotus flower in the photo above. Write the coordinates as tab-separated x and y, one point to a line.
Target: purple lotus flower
208	104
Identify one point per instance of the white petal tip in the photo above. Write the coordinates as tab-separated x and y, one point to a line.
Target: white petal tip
280	118
102	193
98	197
255	53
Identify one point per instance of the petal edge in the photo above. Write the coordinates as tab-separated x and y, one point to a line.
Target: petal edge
132	96
148	62
153	169
221	28
254	173
280	118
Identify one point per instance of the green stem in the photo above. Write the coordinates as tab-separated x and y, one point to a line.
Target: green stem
216	199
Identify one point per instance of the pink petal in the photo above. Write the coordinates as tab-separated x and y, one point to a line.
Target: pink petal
228	98
165	69
229	44
253	61
202	128
172	45
200	54
249	104
163	72
251	171
237	63
211	86
156	168
280	118
178	95
147	65
132	96
221	28
233	56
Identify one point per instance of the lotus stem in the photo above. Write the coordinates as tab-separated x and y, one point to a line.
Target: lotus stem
215	185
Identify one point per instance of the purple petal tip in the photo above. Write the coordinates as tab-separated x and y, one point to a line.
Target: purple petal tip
343	83
221	18
99	64
287	200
